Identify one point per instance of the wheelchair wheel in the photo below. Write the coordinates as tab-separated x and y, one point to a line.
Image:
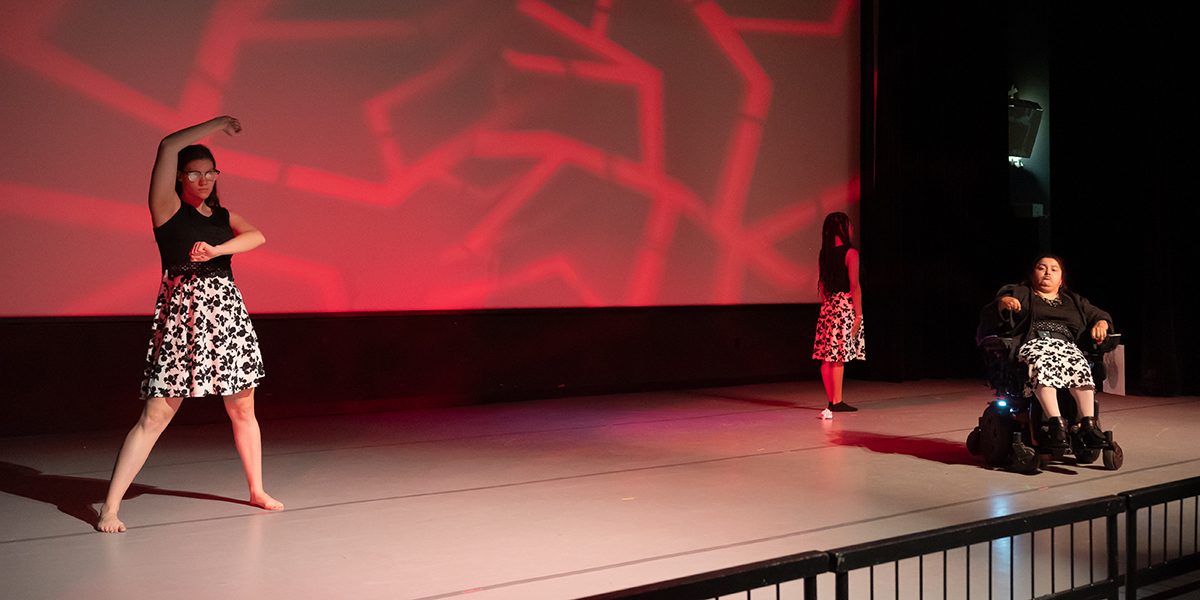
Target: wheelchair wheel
973	442
1114	457
1086	456
996	438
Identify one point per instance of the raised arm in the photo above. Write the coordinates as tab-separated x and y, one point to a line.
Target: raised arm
163	199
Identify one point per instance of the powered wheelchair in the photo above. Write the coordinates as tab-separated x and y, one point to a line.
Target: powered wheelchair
1007	435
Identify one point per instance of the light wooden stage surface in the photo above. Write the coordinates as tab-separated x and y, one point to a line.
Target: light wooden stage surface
541	499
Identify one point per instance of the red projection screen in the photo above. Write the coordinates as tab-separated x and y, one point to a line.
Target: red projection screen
434	155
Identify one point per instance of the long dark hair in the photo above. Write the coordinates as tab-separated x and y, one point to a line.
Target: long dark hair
197	152
836	226
1062	266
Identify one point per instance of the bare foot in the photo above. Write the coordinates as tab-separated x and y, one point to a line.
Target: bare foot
109	523
265	502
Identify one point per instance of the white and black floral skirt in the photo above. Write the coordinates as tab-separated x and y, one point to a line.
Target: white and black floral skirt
834	342
1055	363
202	342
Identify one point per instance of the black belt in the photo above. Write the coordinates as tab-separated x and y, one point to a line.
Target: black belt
199	269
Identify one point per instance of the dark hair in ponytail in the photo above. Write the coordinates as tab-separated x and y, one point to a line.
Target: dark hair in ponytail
837	226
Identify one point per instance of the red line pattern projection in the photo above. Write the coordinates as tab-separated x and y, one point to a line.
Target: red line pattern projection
455	154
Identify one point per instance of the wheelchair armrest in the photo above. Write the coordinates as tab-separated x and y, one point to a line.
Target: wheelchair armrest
1112	341
995	343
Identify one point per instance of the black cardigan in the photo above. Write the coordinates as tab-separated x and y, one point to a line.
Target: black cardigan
994	320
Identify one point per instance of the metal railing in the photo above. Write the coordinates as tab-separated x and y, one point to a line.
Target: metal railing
1039	562
1178	554
1067	552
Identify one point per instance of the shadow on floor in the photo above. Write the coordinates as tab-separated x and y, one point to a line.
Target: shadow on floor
75	496
756	400
937	450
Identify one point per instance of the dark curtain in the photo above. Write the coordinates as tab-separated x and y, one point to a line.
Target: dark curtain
934	206
940	230
1122	162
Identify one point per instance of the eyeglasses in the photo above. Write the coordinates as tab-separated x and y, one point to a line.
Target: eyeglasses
194	176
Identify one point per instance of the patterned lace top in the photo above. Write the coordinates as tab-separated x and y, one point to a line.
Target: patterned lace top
1059	316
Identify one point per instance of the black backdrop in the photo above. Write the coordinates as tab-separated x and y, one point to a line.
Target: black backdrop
941	230
935	219
1125	210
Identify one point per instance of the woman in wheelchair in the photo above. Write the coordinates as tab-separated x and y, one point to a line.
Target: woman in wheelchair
1051	323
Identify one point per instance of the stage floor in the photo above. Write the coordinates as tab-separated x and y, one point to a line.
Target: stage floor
543	499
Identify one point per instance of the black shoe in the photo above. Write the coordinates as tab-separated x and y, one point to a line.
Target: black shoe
1053	433
1088	433
841	407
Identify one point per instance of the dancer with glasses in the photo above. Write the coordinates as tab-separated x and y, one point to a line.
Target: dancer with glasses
202	342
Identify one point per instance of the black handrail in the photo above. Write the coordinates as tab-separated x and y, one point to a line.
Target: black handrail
1162	493
901	547
714	584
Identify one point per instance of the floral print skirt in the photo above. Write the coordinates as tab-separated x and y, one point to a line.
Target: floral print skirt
833	342
1055	363
202	342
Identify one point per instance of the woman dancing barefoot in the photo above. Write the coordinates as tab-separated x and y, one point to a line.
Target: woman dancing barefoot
202	342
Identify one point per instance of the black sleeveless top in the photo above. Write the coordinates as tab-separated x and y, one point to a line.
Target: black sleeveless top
835	277
187	226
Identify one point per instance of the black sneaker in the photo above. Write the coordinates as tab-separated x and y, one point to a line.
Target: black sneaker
841	407
1089	434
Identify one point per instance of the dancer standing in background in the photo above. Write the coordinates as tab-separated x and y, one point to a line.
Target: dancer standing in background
840	325
202	341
